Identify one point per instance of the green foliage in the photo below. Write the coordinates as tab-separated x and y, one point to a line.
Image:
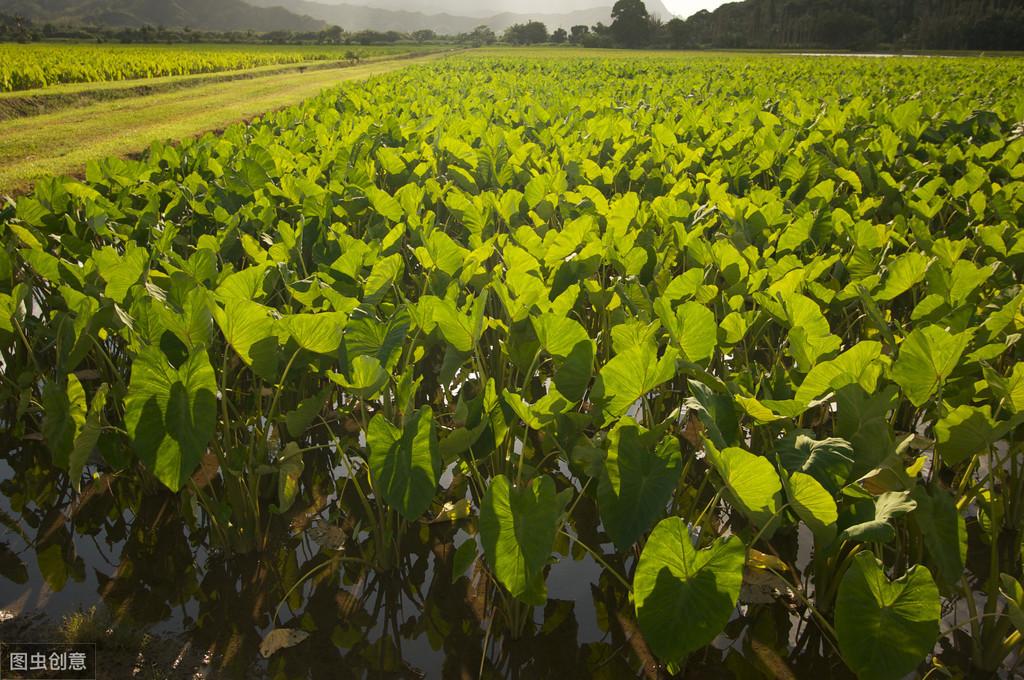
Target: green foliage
885	627
582	311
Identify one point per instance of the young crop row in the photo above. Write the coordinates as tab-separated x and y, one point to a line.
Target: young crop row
760	316
25	67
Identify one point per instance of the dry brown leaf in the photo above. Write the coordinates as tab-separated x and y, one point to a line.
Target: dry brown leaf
281	638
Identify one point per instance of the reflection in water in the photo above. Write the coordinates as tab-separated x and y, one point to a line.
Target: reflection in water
148	561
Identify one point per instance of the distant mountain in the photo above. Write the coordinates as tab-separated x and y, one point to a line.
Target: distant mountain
484	10
360	17
212	15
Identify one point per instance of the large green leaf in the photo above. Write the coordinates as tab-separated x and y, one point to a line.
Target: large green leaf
63	417
927	357
319	333
249	329
366	378
856	365
751	483
632	374
944	531
885	628
88	436
716	412
878	528
863	420
813	504
405	461
692	327
829	460
964	431
639	476
518	525
171	413
684	597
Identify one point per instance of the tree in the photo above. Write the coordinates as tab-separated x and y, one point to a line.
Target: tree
530	33
483	35
333	35
423	35
631	23
559	36
578	33
677	34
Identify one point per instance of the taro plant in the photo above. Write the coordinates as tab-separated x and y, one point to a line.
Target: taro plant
755	353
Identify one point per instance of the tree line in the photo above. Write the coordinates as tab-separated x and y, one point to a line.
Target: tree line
753	24
803	24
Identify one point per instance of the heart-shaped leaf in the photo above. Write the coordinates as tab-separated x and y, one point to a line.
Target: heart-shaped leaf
684	597
517	528
171	413
885	628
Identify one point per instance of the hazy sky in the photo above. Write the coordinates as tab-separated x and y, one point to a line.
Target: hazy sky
685	8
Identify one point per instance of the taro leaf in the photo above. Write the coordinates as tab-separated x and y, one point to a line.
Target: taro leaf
518	525
464	556
171	413
250	331
460	330
904	273
1015	389
384	272
87	437
121	272
558	335
856	365
885	628
366	377
809	336
383	203
245	285
927	357
829	460
299	419
698	332
382	339
963	432
639	476
187	316
318	333
944	531
567	340
685	597
862	419
1014	594
289	468
717	412
751	483
573	376
405	462
813	504
63	417
692	326
632	374
887	506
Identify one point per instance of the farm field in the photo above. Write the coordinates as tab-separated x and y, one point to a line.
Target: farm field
118	120
532	364
43	65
